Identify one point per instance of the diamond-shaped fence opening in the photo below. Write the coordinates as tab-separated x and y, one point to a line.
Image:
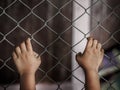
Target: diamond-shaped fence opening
29	24
42	7
31	3
5	55
47	34
5	20
62	21
4	4
58	30
82	12
15	35
16	8
9	77
114	22
61	3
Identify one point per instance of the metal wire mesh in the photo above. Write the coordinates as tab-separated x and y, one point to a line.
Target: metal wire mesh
99	23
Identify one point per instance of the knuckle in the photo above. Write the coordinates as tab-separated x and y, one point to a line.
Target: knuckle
17	48
21	44
99	44
95	41
95	50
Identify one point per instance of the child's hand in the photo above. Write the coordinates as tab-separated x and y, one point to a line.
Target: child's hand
92	57
26	60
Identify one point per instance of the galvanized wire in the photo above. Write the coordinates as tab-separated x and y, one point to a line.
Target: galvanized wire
31	11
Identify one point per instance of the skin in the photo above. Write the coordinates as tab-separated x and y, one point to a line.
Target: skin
27	63
90	61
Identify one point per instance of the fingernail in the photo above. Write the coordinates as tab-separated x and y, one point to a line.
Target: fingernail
79	53
88	38
29	39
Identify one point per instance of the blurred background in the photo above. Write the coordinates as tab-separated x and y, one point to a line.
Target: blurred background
58	30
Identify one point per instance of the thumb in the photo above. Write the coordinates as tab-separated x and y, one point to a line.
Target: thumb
78	55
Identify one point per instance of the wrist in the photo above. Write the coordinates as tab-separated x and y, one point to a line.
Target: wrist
92	80
27	74
91	72
88	70
27	81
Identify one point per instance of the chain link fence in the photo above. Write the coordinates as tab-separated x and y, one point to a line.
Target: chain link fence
52	35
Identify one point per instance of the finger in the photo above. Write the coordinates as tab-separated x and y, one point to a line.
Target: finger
78	55
14	55
102	52
18	51
39	58
23	47
95	42
35	54
90	41
99	46
29	45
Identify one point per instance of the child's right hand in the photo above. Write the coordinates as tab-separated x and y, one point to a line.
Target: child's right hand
92	57
26	60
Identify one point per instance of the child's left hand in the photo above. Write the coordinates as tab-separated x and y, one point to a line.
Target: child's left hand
26	60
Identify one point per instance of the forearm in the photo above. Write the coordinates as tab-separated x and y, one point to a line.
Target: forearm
27	82
92	80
